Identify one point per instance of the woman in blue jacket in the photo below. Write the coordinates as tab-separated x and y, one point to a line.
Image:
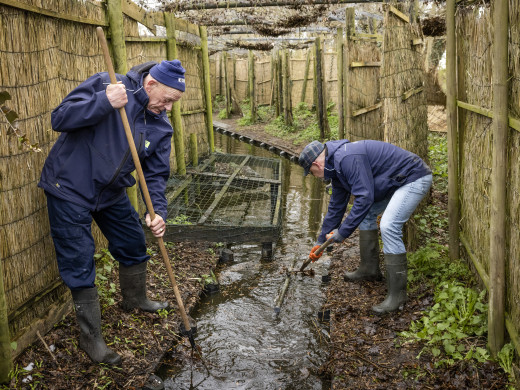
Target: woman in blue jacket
382	178
86	175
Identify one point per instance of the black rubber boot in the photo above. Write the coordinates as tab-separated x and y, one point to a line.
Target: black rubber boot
369	253
396	277
132	280
88	313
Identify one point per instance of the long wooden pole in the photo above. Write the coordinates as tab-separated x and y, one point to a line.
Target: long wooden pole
451	108
207	87
306	75
252	89
350	27
497	248
339	53
178	134
320	107
144	187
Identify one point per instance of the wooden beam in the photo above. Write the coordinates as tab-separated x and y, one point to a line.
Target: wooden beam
399	14
361	64
53	14
367	109
514	123
243	178
148	19
411	92
202	5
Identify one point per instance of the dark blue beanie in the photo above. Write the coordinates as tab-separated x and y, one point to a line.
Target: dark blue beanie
170	73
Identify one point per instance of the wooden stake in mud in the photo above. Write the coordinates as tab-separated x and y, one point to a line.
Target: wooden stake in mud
144	188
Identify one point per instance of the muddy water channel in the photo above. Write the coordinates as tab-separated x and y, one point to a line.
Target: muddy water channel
244	344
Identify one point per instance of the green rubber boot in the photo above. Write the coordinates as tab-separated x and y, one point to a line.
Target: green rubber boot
132	280
88	314
369	253
396	277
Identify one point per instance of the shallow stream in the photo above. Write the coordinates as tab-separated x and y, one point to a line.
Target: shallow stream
244	344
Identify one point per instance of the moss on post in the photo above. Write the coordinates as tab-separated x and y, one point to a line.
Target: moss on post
194	152
178	134
207	87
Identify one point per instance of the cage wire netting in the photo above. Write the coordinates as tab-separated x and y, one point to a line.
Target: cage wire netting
228	198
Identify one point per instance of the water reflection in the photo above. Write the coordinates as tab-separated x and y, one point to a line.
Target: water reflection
244	344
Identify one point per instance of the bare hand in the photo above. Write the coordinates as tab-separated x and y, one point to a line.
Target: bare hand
116	94
157	226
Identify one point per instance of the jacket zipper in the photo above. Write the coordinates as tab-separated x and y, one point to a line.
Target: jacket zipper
118	170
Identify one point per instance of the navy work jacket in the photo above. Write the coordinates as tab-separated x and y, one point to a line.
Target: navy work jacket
90	164
368	170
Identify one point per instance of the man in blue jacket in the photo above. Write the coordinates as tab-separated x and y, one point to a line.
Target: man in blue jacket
86	175
382	178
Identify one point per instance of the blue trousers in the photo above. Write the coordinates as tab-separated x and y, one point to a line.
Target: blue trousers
72	235
396	210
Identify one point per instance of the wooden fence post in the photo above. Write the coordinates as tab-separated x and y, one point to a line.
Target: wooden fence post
194	152
117	41
178	134
339	53
252	89
6	362
350	28
221	70
497	249
279	76
207	87
227	93
451	108
306	75
321	110
287	109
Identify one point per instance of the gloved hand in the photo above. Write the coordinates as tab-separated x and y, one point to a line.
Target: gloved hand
314	256
336	237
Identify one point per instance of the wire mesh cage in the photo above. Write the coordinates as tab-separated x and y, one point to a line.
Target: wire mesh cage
226	198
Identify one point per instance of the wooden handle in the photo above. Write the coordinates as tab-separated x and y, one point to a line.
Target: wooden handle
317	252
142	181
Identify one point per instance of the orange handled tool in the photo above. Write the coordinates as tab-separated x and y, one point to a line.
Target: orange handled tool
318	251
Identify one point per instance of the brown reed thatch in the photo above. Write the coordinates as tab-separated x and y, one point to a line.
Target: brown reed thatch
402	87
363	90
476	143
43	59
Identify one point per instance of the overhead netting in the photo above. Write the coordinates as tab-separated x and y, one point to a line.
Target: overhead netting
226	198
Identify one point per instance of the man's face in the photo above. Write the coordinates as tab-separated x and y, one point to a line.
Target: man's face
317	169
161	97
